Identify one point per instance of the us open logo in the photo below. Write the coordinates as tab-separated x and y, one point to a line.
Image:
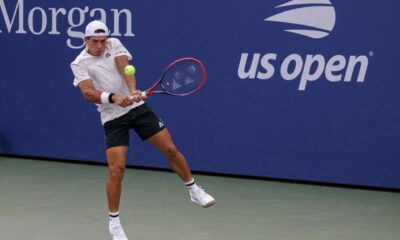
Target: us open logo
315	17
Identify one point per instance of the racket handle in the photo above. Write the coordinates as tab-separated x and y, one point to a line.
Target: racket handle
144	94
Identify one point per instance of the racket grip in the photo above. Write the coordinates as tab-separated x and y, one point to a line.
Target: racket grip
144	94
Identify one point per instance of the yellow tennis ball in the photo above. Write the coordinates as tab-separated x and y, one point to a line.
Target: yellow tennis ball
129	70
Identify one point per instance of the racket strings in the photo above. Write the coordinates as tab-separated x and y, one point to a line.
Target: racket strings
183	78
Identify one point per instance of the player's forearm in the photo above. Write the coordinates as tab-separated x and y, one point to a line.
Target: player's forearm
122	62
92	96
131	82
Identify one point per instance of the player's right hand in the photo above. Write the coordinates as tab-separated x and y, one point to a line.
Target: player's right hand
137	96
123	101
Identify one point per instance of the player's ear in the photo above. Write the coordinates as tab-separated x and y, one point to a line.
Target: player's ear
86	39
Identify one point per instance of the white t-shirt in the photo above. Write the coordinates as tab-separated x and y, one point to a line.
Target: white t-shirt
106	77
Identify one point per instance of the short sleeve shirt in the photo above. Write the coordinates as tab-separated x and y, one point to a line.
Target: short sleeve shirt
105	75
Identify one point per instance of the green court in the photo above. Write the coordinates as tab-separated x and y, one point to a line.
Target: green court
63	201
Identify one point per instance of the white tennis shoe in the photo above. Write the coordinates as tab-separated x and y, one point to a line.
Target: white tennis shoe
200	197
117	232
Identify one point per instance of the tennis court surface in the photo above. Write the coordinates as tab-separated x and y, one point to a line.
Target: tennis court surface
63	201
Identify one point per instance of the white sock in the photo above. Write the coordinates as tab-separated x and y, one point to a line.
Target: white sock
114	217
191	182
191	185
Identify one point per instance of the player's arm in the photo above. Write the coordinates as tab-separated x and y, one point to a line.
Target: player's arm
91	94
121	62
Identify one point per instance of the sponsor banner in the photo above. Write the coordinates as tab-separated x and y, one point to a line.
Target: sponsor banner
297	89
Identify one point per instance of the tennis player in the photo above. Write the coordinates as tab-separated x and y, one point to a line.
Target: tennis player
98	72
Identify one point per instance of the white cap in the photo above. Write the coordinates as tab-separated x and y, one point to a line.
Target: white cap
95	25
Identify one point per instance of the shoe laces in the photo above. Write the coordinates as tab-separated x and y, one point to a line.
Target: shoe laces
199	191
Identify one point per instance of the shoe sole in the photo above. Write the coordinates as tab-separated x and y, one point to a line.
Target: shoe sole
207	205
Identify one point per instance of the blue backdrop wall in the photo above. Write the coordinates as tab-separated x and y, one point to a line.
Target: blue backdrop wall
305	90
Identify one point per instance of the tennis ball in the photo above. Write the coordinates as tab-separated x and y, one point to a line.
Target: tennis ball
129	70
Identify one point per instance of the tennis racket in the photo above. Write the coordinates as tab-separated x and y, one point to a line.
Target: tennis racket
182	77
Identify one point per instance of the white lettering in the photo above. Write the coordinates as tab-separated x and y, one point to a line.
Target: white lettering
31	20
102	12
54	13
128	15
312	68
298	66
76	34
307	75
265	63
335	64
19	7
363	61
253	69
37	21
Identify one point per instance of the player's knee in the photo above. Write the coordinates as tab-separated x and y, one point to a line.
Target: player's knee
117	173
172	152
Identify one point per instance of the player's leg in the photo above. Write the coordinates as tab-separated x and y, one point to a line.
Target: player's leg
116	157
163	141
151	128
117	138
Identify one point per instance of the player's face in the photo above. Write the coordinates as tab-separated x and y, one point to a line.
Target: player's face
96	45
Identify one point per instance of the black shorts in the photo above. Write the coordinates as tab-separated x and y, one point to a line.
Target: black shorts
142	119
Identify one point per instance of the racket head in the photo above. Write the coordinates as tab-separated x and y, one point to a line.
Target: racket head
182	77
